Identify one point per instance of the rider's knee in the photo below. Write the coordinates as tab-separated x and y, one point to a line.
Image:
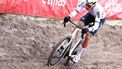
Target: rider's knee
80	23
88	36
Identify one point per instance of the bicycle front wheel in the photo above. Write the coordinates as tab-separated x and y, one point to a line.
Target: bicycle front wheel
59	51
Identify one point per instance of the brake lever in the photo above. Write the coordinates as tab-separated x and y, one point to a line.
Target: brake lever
64	24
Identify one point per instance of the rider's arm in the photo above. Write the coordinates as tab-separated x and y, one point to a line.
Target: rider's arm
96	24
79	7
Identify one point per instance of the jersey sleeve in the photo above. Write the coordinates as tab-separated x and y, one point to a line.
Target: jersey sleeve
98	16
77	9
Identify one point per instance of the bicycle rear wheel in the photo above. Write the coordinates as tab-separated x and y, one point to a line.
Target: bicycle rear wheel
59	51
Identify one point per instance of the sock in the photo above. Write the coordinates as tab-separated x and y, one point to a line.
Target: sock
80	51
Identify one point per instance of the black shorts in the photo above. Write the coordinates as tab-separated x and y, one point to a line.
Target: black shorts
88	18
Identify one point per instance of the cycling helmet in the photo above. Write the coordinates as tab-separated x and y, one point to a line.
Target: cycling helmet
91	2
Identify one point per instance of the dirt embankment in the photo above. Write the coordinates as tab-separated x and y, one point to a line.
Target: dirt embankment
26	42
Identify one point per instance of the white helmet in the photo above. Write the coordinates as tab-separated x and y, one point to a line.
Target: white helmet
91	2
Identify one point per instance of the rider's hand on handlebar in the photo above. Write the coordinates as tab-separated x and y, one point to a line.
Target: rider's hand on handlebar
66	19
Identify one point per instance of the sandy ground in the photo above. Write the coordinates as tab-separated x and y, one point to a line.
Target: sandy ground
26	42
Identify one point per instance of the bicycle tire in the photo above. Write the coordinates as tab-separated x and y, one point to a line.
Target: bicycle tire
50	62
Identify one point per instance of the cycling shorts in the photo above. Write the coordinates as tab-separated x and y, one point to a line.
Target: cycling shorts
88	18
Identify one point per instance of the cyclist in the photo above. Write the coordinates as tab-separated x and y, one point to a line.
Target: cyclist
95	18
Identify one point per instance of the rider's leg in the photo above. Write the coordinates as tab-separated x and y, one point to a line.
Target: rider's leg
81	50
84	21
86	40
84	44
81	25
76	57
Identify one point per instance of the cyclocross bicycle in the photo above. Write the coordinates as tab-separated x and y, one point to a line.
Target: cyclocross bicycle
65	48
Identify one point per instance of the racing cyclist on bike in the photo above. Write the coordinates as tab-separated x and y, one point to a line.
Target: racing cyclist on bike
95	18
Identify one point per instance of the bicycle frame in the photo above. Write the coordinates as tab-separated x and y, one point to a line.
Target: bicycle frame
73	35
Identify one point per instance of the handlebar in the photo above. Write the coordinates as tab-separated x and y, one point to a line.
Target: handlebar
74	24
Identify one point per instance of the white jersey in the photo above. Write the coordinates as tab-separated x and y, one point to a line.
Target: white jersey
97	12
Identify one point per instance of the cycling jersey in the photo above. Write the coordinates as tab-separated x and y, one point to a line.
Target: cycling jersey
97	12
